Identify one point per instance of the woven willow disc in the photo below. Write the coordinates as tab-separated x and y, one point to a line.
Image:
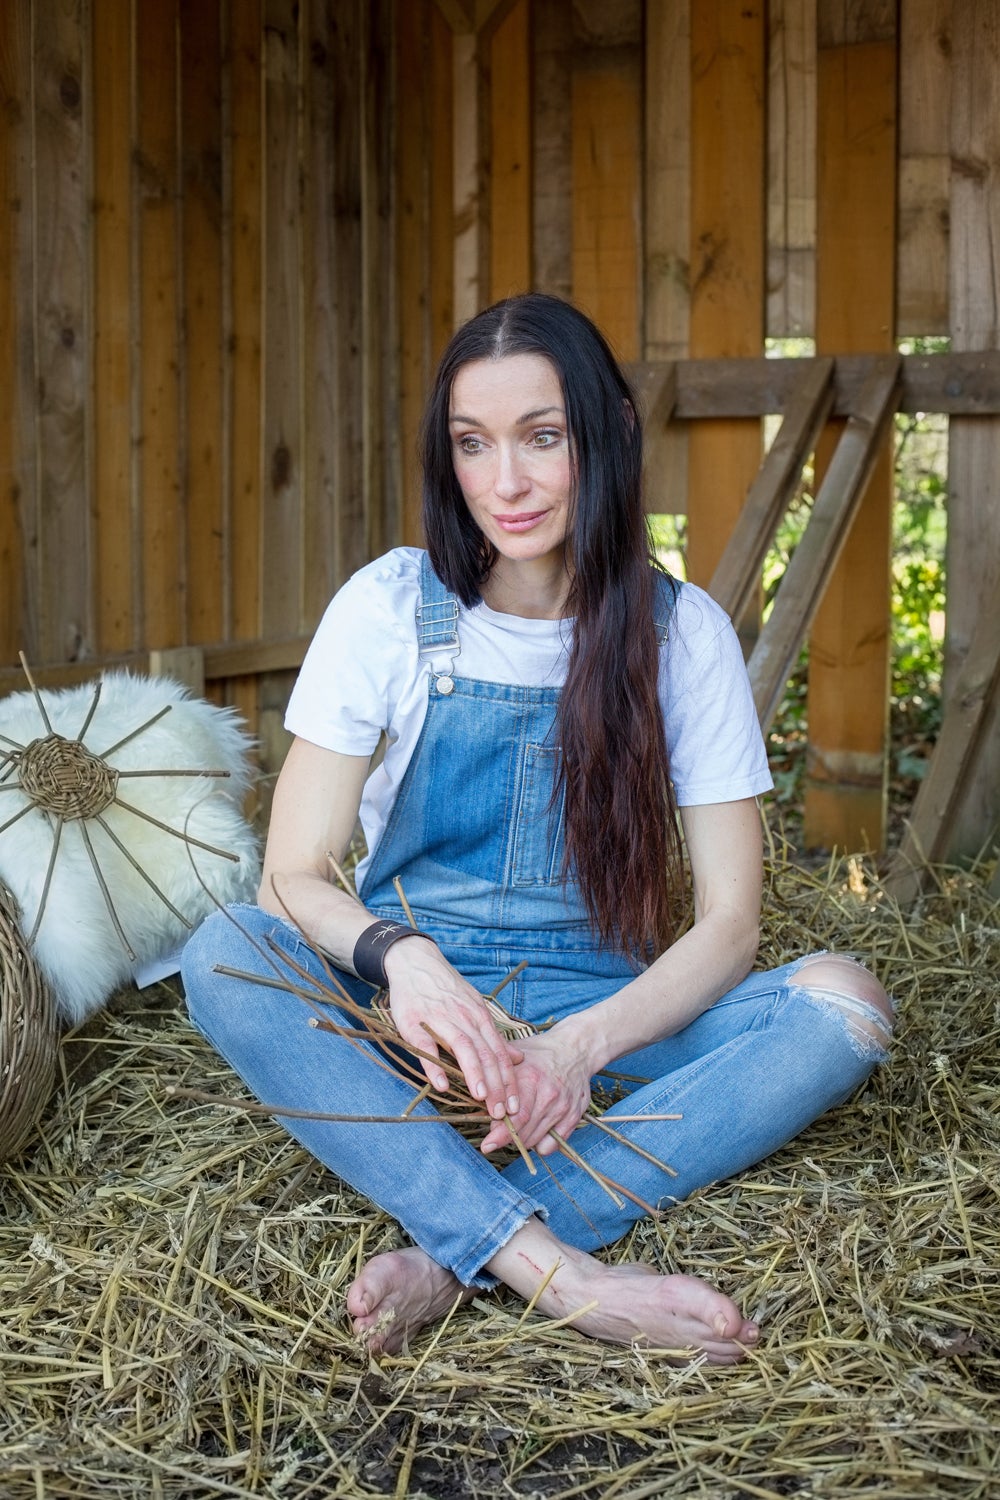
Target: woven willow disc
61	776
29	1033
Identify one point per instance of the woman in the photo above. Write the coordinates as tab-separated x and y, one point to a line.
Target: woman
547	699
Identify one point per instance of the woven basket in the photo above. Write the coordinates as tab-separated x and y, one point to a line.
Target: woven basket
29	1033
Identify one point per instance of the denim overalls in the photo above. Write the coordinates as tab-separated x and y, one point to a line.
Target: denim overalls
475	837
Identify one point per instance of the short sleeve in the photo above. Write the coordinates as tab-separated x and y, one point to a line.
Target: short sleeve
715	748
362	651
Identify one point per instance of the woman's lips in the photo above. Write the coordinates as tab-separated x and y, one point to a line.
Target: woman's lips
521	522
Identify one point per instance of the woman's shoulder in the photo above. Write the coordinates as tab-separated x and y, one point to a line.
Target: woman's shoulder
697	617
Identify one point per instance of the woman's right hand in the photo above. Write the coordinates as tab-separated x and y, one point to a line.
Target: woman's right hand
434	1008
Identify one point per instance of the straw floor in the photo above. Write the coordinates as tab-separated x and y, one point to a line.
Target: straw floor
172	1279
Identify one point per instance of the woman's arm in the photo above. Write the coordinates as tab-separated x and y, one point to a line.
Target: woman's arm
724	848
315	809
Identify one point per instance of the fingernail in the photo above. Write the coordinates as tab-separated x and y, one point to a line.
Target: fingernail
498	1111
513	1104
720	1325
480	1091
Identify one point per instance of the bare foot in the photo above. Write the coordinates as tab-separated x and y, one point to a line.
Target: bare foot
397	1293
628	1304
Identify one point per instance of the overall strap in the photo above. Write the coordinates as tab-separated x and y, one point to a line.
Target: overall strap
666	590
437	626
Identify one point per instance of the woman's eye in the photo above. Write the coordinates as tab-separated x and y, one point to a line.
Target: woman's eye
545	439
469	445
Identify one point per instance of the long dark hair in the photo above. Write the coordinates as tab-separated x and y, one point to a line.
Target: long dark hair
622	840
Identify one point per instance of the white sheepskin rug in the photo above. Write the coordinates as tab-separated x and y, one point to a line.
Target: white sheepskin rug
77	944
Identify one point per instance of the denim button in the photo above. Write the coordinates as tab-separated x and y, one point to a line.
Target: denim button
445	685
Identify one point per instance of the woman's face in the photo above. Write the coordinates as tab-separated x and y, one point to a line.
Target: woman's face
510	448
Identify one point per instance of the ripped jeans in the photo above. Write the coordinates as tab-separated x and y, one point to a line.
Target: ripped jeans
746	1076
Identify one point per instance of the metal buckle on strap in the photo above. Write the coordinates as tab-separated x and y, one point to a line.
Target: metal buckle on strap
437	630
437	626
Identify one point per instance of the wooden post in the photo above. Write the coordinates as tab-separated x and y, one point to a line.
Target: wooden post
855	305
974	448
727	256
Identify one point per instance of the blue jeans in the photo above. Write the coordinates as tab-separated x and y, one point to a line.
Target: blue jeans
746	1076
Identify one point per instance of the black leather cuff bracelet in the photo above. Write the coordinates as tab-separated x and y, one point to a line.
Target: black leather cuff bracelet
372	946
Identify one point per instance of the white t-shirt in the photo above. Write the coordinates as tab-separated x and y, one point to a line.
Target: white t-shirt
362	675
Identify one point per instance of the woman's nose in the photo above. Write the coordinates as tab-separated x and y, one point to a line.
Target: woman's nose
512	476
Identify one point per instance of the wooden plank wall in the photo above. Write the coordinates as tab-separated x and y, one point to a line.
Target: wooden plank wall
197	437
227	272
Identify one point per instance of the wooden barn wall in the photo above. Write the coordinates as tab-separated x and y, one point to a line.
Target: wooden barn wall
236	235
198	440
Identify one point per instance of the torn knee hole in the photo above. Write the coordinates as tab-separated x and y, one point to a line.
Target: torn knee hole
846	986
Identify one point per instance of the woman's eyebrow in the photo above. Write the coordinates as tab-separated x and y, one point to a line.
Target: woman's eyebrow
529	416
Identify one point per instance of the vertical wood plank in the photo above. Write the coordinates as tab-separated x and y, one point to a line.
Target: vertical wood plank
467	175
791	168
925	87
18	493
333	500
61	267
281	603
243	252
855	301
552	148
246	212
727	255
201	251
382	512
607	151
441	84
115	532
157	347
411	249
974	445
667	232
510	154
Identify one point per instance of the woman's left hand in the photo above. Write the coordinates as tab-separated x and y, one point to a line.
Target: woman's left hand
553	1090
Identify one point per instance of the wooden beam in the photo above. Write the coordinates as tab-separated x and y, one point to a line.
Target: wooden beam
820	547
223	661
957	384
737	576
953	765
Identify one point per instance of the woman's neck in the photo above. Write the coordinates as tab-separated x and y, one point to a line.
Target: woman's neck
538	590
